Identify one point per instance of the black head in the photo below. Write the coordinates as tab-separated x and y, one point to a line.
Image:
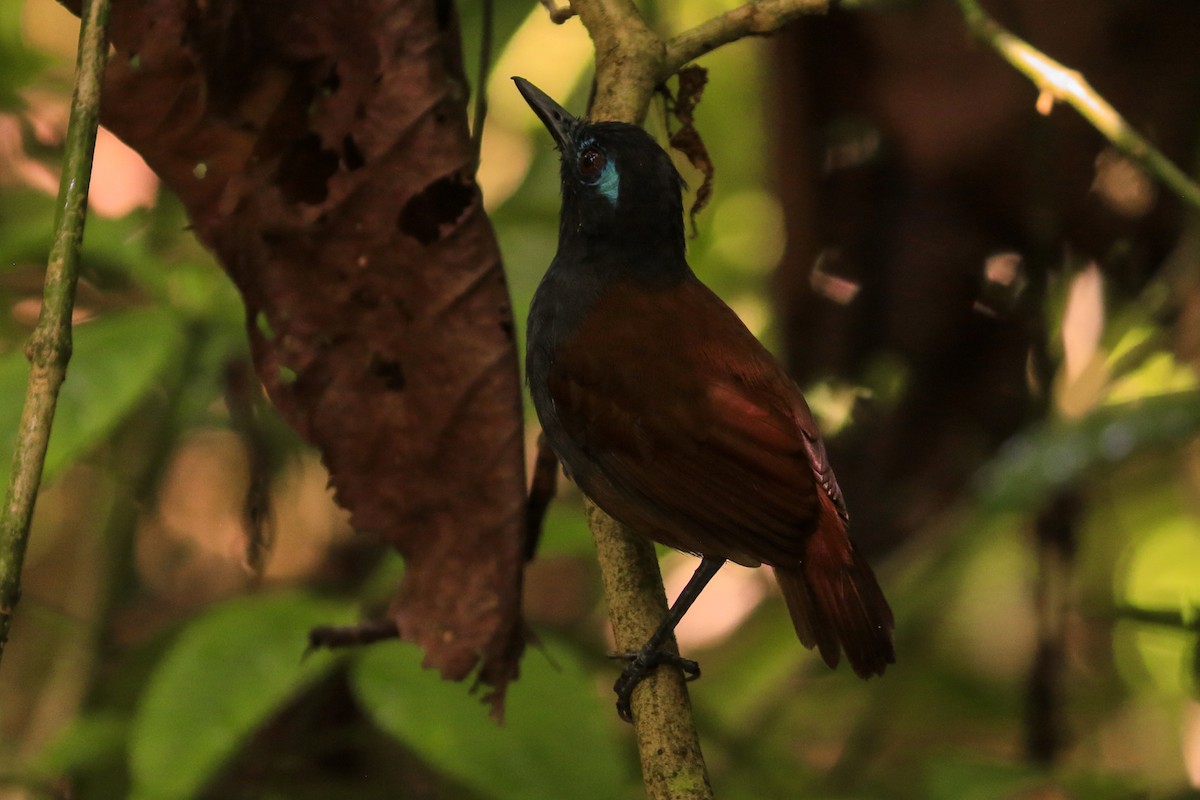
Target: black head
619	187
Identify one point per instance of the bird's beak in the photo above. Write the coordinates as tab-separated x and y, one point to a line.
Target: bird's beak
557	119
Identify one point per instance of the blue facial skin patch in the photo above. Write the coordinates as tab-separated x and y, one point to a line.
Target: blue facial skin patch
610	182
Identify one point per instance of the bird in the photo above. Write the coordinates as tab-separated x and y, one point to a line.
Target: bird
669	414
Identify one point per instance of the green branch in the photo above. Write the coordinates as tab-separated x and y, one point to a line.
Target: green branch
49	348
1071	87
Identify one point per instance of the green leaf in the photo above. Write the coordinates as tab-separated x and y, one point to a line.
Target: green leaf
1056	454
117	359
558	738
224	677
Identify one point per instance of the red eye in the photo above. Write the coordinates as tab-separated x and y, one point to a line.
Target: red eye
591	161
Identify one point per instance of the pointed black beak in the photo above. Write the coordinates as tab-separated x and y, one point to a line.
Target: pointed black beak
557	119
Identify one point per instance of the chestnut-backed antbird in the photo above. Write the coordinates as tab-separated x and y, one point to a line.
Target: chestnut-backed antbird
668	413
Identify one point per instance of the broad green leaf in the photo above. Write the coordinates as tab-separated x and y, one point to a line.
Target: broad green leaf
117	359
227	673
558	738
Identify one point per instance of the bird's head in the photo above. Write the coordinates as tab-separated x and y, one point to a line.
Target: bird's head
618	185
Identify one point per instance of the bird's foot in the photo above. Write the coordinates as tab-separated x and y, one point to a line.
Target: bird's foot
640	665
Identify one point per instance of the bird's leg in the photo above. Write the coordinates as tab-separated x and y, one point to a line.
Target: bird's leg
643	662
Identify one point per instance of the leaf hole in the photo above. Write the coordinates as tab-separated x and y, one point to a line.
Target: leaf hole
441	203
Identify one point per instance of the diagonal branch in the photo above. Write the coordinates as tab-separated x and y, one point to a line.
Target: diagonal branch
49	348
1068	85
760	18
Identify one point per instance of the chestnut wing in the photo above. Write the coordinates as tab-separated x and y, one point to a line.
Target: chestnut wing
691	425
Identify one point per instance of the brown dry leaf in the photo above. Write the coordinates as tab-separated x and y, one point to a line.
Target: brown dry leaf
686	140
322	152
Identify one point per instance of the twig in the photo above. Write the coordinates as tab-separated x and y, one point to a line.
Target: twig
49	348
332	637
761	18
1062	83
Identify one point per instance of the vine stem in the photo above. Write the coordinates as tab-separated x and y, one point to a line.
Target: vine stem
49	348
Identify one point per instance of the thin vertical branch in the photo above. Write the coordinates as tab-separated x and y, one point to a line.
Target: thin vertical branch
49	348
673	765
628	64
631	61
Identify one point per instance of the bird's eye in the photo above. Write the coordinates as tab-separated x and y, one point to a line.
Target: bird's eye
591	161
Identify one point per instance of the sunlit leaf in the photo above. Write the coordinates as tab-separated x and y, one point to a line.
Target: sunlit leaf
1158	373
117	359
225	676
1162	570
558	732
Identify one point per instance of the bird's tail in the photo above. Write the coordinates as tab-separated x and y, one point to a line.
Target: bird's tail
836	603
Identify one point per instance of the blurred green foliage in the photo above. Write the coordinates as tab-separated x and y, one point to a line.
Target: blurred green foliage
184	698
557	731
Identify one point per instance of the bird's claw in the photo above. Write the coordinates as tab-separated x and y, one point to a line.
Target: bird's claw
640	665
